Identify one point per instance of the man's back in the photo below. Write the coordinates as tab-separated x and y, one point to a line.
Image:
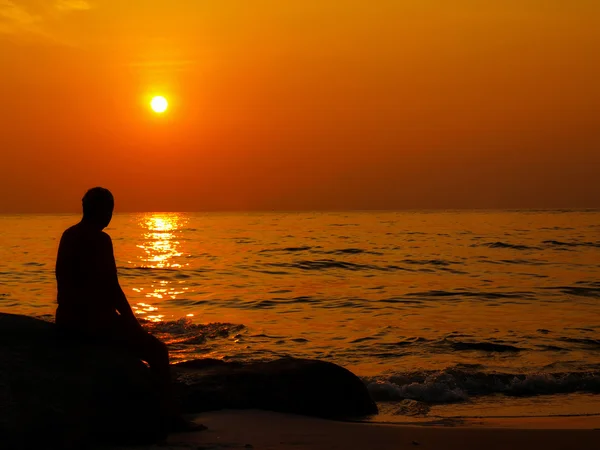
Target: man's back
86	277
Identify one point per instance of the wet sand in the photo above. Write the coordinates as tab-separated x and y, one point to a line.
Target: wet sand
266	430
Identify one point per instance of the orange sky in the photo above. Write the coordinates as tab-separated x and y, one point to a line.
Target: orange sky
300	104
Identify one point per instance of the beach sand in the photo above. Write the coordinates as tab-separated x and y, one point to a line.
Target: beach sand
264	430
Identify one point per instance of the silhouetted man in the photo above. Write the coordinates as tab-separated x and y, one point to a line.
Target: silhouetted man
91	302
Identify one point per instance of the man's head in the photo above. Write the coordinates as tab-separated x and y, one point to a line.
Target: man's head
98	204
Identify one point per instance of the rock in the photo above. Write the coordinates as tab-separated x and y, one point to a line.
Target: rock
55	393
300	386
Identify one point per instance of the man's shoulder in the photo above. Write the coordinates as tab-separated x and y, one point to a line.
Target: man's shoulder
70	232
71	229
104	237
78	232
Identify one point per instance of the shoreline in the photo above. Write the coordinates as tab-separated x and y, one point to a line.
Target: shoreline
254	429
562	422
541	421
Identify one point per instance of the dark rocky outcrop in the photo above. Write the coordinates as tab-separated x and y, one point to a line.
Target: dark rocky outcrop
55	392
300	386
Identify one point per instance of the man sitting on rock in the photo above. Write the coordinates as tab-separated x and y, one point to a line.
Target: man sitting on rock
91	302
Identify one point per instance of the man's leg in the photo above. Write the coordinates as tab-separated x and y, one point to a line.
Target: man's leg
142	345
156	354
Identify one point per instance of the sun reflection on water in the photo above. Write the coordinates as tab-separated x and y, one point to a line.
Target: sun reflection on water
160	245
162	249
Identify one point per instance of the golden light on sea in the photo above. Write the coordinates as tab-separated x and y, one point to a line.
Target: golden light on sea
160	244
161	250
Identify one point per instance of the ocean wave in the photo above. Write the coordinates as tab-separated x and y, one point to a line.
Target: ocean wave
324	264
286	249
401	300
303	299
412	408
584	290
363	339
499	244
163	272
327	263
472	294
270	272
315	250
571	244
485	347
348	251
459	384
190	332
144	270
430	392
448	345
525	262
432	262
551	348
595	343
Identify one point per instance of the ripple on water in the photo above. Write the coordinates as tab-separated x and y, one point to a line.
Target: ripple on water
506	245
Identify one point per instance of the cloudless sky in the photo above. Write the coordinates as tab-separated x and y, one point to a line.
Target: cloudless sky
300	104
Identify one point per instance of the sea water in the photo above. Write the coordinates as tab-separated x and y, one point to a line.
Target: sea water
442	314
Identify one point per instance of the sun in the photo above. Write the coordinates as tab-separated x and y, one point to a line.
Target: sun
159	104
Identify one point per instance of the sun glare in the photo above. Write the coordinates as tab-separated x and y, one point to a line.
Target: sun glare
159	104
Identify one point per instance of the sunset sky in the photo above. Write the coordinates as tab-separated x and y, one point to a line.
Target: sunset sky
300	104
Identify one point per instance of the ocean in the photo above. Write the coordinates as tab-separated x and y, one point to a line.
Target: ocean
443	315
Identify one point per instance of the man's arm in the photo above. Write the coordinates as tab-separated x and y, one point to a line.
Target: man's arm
118	296
122	305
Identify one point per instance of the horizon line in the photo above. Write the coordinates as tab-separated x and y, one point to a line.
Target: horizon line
332	210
